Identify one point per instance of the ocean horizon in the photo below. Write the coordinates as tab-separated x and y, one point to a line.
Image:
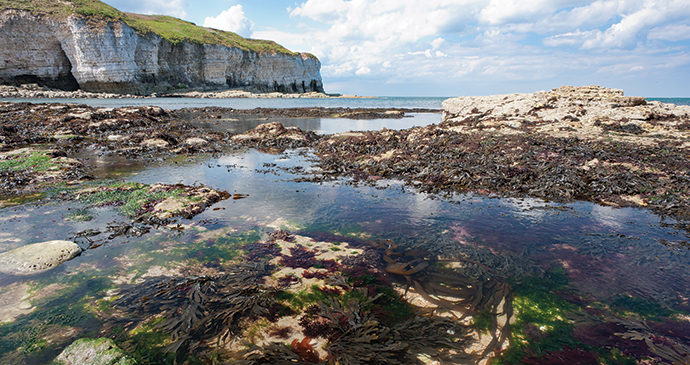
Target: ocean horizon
383	102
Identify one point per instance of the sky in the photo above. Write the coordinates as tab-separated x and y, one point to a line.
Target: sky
465	47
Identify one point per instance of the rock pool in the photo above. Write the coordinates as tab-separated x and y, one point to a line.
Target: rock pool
285	270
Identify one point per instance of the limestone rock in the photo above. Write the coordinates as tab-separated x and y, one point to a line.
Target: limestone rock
272	130
587	108
195	141
155	143
100	351
110	57
37	257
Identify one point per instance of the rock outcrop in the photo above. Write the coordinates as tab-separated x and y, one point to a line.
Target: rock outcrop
74	52
582	111
37	257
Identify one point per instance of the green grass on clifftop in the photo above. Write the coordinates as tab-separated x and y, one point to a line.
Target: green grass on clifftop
173	29
177	30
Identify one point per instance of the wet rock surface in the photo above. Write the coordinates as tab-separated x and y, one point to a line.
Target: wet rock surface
62	130
87	351
210	113
37	257
569	144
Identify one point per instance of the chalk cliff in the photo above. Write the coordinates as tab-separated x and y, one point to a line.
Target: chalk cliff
107	55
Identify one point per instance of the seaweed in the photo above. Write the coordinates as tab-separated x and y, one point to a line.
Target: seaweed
281	332
305	350
360	338
436	283
271	353
198	309
300	257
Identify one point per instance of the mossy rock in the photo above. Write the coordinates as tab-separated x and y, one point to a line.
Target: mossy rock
89	351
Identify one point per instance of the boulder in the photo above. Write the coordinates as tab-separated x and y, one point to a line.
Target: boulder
89	351
37	257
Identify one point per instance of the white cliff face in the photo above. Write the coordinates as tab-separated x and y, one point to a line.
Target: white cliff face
112	57
30	51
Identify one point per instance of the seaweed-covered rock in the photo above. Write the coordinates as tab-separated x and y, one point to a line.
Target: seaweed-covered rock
275	135
88	351
37	257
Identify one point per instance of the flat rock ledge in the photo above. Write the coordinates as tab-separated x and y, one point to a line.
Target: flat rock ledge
88	351
585	111
37	257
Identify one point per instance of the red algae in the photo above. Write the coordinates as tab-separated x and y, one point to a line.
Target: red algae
281	332
300	257
305	350
307	274
258	251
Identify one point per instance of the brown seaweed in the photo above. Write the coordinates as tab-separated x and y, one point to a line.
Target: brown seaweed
359	338
197	309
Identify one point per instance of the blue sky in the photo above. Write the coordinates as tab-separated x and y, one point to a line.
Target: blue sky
465	47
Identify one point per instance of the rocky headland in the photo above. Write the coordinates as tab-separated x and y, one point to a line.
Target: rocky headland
90	46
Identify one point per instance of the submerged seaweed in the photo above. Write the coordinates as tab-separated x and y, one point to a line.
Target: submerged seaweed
199	309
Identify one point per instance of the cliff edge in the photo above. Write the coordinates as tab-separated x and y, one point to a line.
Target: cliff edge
88	45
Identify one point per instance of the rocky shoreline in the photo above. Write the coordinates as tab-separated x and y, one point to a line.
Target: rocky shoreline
584	143
569	144
34	91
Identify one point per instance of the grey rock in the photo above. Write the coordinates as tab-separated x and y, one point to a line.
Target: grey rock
89	351
574	107
37	257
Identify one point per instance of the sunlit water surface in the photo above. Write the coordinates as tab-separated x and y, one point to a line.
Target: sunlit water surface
607	253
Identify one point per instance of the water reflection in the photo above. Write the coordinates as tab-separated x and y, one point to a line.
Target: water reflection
241	124
607	254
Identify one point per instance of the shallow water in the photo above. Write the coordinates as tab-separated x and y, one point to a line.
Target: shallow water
240	103
323	125
625	261
607	253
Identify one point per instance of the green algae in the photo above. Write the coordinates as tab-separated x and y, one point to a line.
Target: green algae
645	308
84	214
60	315
304	298
540	323
145	344
128	198
34	160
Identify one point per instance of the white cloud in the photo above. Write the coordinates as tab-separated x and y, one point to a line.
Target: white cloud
673	33
363	71
436	43
512	11
402	41
232	20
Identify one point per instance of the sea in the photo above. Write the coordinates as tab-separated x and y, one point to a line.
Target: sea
240	103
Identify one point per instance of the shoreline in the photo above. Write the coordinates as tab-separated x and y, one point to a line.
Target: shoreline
561	149
610	150
33	91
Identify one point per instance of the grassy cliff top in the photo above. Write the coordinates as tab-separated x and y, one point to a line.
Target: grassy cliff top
173	29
